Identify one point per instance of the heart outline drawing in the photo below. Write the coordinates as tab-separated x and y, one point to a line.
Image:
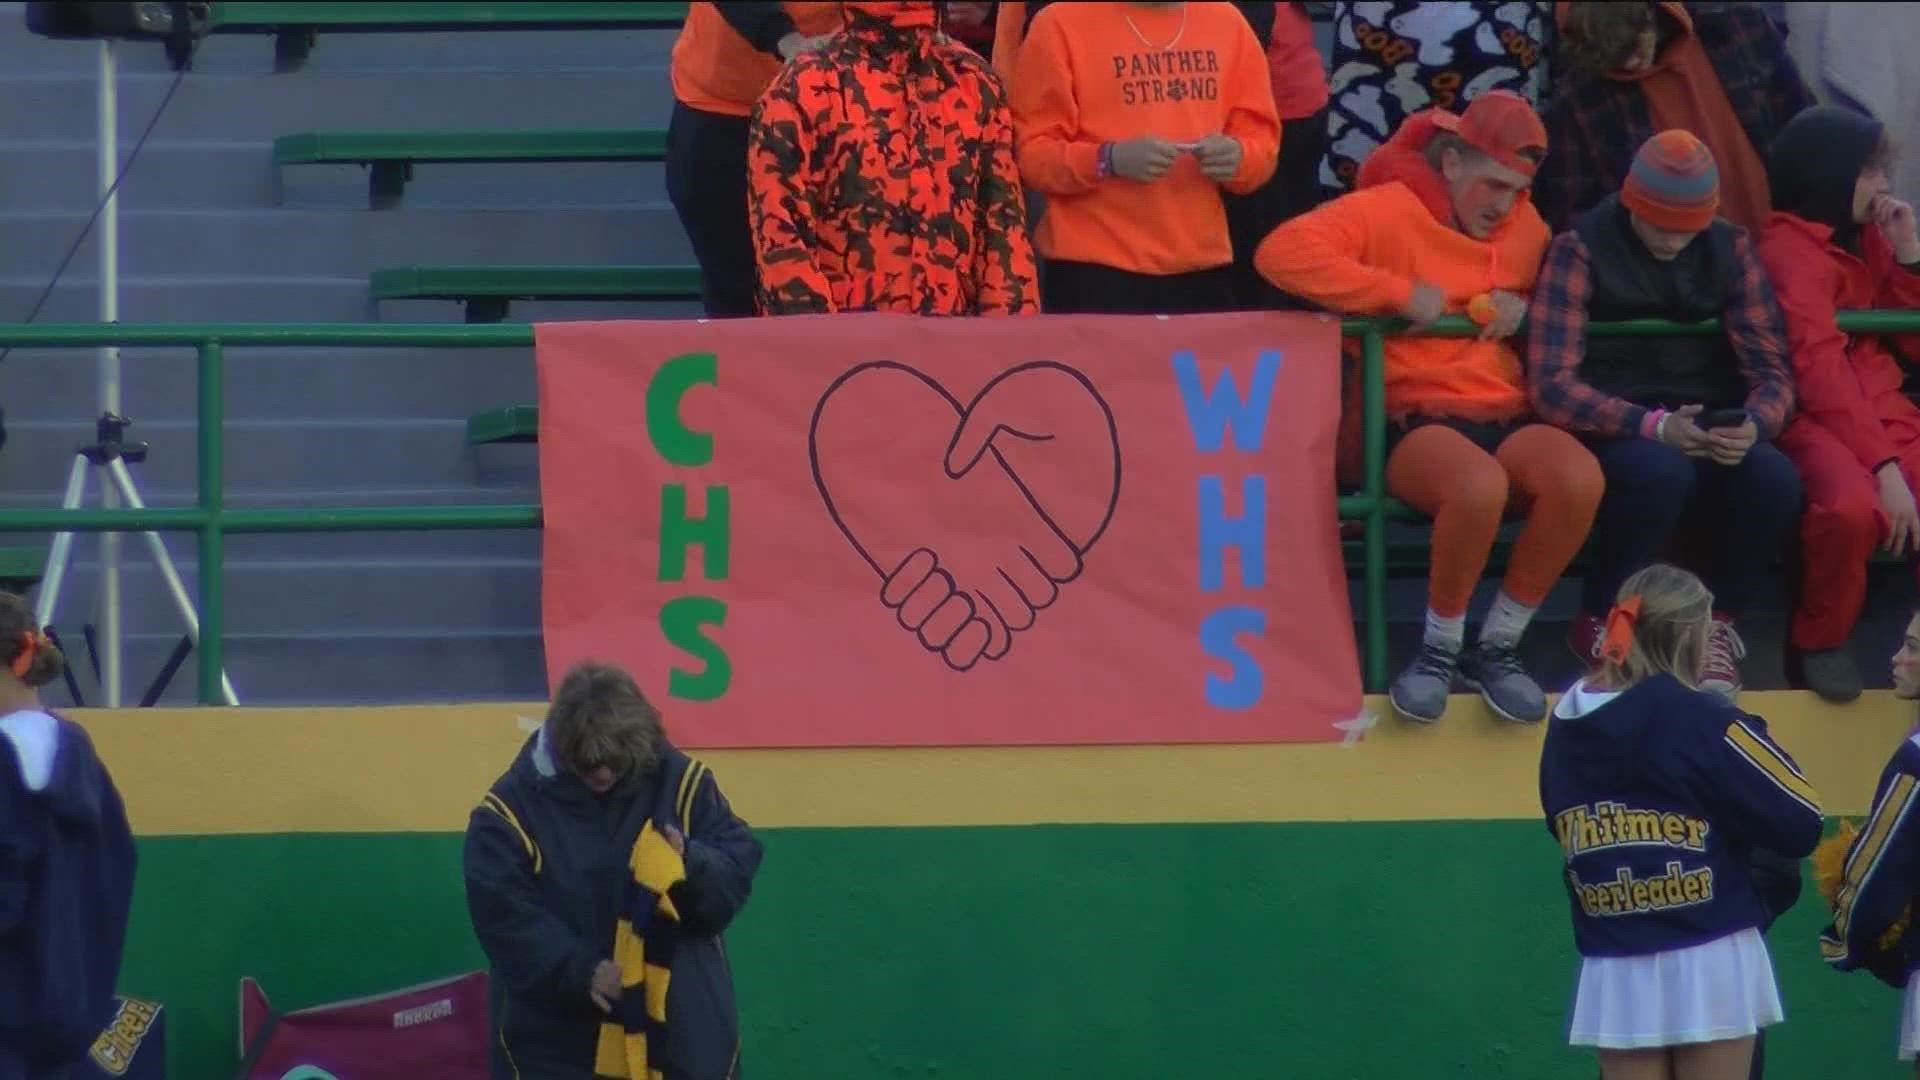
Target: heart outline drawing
1041	451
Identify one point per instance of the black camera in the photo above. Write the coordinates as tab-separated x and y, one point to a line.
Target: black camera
179	25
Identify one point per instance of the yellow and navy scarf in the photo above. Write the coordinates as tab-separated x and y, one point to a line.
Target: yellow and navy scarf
643	943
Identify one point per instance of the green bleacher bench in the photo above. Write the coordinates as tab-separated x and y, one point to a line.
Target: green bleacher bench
21	568
295	27
391	155
487	291
513	424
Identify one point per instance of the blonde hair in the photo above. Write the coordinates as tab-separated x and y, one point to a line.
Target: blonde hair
1669	634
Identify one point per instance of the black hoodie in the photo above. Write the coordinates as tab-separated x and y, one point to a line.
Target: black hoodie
66	886
1814	164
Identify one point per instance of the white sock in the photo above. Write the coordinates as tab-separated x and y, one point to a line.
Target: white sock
1506	621
1446	633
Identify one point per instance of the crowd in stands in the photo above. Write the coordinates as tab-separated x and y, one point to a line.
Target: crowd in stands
1537	166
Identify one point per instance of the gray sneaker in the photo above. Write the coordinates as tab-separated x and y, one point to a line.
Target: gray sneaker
1420	693
1495	671
1832	674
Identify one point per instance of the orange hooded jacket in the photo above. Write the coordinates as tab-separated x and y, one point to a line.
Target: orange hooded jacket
1362	253
881	177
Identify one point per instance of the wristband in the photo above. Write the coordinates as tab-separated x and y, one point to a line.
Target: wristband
1653	424
1105	167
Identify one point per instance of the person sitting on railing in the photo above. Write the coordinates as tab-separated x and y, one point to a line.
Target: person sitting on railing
1721	71
1441	222
1682	424
1838	239
724	59
883	178
1133	119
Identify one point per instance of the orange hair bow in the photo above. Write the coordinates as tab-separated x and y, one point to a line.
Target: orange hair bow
1618	640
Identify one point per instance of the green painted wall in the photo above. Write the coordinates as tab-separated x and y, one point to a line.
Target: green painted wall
1323	952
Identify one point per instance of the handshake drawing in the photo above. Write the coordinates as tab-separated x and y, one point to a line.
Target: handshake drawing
973	516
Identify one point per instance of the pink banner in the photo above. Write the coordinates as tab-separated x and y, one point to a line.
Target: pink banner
877	530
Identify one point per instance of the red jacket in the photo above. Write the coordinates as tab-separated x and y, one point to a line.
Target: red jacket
1848	384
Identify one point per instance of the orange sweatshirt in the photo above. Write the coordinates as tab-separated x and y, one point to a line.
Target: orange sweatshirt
716	70
1093	73
1362	253
1009	30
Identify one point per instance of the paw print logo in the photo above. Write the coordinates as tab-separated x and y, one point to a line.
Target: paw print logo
1177	90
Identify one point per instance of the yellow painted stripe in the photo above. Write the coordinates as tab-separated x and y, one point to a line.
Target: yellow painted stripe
423	768
493	803
1768	762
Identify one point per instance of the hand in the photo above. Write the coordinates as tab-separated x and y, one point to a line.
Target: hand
1729	446
1425	304
606	987
796	43
1509	311
963	13
1145	159
1895	218
1896	501
1680	432
674	840
1219	157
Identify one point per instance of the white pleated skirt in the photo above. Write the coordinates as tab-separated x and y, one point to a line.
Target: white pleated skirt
1722	989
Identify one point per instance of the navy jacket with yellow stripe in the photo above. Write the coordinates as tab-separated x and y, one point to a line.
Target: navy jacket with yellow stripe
1663	801
1881	877
546	866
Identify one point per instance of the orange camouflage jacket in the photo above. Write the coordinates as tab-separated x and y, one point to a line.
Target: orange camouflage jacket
882	177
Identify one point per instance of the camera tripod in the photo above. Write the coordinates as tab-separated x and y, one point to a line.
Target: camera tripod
111	453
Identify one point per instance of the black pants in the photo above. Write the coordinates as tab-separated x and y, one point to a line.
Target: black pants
707	183
1078	288
1293	190
1747	512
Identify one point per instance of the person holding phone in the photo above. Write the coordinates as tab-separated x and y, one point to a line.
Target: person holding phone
1681	424
1134	120
1839	240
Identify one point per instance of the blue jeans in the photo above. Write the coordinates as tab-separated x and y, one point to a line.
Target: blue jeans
1747	512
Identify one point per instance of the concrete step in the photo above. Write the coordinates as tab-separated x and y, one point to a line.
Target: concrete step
371	55
337	669
57	173
247	107
341	459
167	298
376	594
61	386
307	243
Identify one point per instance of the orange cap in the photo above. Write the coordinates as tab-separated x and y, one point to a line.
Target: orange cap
1499	124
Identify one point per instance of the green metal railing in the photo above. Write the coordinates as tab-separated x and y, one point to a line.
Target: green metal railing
212	521
209	518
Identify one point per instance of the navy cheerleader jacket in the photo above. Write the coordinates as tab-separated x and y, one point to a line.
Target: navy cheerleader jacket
66	888
1882	876
546	866
1663	800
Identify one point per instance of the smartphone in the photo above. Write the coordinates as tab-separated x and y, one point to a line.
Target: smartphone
1721	418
